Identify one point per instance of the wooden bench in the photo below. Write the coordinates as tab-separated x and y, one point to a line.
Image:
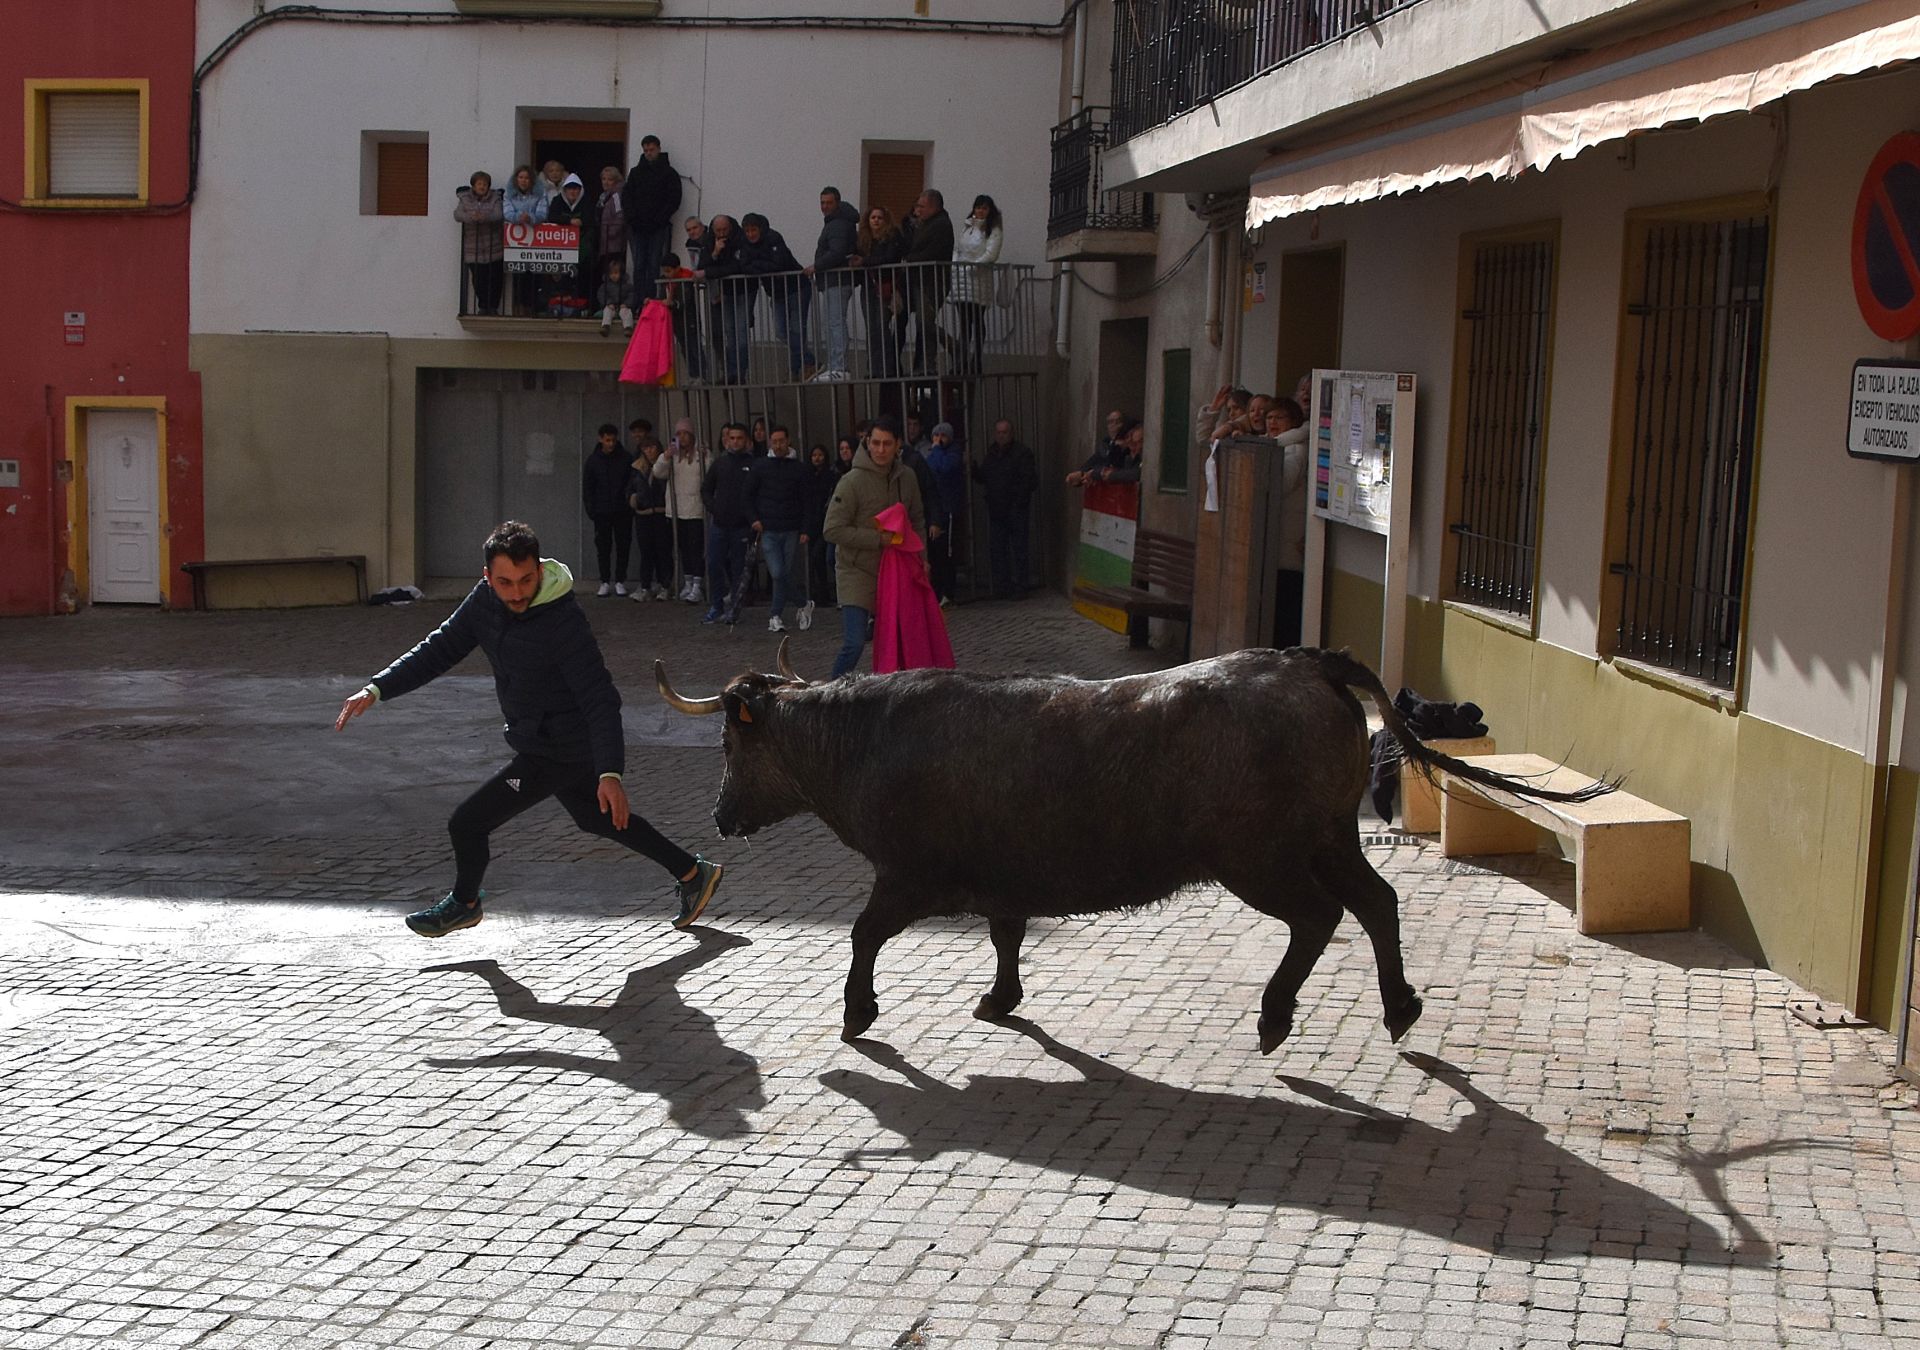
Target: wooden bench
1163	560
1632	868
198	570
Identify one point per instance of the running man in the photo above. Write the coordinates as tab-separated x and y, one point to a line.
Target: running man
563	722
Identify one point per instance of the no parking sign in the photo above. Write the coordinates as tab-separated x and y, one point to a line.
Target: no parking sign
1886	240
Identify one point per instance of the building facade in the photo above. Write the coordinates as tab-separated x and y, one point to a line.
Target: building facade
357	405
1614	242
100	436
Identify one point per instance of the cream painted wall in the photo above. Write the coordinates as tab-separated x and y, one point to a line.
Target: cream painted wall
755	121
1821	528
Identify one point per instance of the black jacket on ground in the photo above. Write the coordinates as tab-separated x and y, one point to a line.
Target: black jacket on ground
727	492
1007	473
603	481
778	488
651	195
555	692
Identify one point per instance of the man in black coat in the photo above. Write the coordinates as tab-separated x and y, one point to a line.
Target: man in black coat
832	277
775	270
778	488
650	198
603	492
1008	474
727	493
563	723
932	247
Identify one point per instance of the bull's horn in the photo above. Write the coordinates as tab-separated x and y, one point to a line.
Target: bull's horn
786	666
696	707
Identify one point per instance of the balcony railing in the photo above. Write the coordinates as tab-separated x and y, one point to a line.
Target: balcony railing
1077	196
900	321
1170	56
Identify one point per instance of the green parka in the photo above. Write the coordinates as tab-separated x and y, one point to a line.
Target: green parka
864	492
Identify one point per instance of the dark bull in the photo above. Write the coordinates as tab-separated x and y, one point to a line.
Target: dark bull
1016	796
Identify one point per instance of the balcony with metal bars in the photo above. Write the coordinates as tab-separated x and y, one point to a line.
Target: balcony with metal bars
1172	56
1086	221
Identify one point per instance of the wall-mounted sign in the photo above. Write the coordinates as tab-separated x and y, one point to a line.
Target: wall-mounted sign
1886	240
74	322
1883	410
542	248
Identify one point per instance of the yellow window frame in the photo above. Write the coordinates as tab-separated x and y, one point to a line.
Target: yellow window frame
35	192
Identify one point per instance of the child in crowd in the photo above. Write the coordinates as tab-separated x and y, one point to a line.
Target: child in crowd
615	297
686	316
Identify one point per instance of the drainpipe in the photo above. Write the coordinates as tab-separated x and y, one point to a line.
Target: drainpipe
1076	100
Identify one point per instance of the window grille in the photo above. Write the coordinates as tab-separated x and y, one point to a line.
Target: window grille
1694	332
1496	513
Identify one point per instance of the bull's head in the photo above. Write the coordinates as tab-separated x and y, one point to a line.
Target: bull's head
756	788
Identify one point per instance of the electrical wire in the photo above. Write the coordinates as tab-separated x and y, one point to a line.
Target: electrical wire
1149	289
438	19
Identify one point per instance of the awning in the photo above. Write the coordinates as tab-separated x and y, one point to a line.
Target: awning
1689	73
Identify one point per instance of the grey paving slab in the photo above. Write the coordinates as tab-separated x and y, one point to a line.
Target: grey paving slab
245	1107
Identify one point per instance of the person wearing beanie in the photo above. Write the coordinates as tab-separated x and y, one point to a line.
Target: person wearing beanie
945	507
767	259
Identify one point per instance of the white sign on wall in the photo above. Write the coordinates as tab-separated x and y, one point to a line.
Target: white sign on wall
1883	410
542	247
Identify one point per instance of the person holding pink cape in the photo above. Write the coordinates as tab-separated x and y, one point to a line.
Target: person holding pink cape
908	628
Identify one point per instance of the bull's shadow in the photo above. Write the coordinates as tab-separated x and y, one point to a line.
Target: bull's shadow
1493	1180
661	1044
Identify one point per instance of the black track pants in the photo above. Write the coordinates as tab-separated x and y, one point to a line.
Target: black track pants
526	782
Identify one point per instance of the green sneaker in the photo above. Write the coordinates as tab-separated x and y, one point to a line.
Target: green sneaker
697	889
448	916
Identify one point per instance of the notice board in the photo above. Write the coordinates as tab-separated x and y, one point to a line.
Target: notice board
1360	443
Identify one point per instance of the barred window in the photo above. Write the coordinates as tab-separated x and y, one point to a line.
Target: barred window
1685	445
1499	430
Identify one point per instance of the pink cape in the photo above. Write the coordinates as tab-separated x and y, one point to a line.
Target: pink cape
650	351
908	628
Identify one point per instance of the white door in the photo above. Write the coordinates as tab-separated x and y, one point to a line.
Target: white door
123	506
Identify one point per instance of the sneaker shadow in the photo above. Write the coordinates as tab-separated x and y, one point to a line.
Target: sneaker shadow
662	1045
1491	1180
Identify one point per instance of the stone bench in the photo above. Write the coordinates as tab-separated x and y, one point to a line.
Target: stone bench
1631	860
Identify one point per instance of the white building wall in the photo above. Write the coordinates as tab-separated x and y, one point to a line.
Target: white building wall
754	120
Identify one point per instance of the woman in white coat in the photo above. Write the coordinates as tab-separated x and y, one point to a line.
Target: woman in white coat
977	242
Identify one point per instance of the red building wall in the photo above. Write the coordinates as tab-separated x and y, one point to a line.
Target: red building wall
125	269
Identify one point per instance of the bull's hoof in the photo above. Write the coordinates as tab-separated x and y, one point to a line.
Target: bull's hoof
1273	1032
857	1020
1402	1018
991	1009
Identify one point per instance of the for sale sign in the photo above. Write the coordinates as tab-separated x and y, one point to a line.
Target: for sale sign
542	248
1883	415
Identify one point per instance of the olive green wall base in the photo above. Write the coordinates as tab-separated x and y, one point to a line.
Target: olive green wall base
1781	871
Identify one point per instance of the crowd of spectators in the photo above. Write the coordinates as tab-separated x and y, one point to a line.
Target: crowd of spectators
899	274
699	517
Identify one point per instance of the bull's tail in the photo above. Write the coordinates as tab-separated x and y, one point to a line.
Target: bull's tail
1341	669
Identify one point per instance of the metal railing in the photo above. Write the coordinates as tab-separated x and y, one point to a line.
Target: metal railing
1170	56
1077	198
901	320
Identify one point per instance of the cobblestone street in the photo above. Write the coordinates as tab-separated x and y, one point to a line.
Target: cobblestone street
244	1107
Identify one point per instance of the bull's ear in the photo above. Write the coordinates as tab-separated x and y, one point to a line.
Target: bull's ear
739	709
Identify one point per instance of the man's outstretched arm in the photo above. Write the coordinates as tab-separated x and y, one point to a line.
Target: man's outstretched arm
440	651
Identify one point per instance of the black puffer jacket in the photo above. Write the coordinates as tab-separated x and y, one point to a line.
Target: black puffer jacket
555	692
728	490
779	492
603	481
651	194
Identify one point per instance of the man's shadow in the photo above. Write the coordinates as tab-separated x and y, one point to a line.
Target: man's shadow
661	1044
1493	1180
